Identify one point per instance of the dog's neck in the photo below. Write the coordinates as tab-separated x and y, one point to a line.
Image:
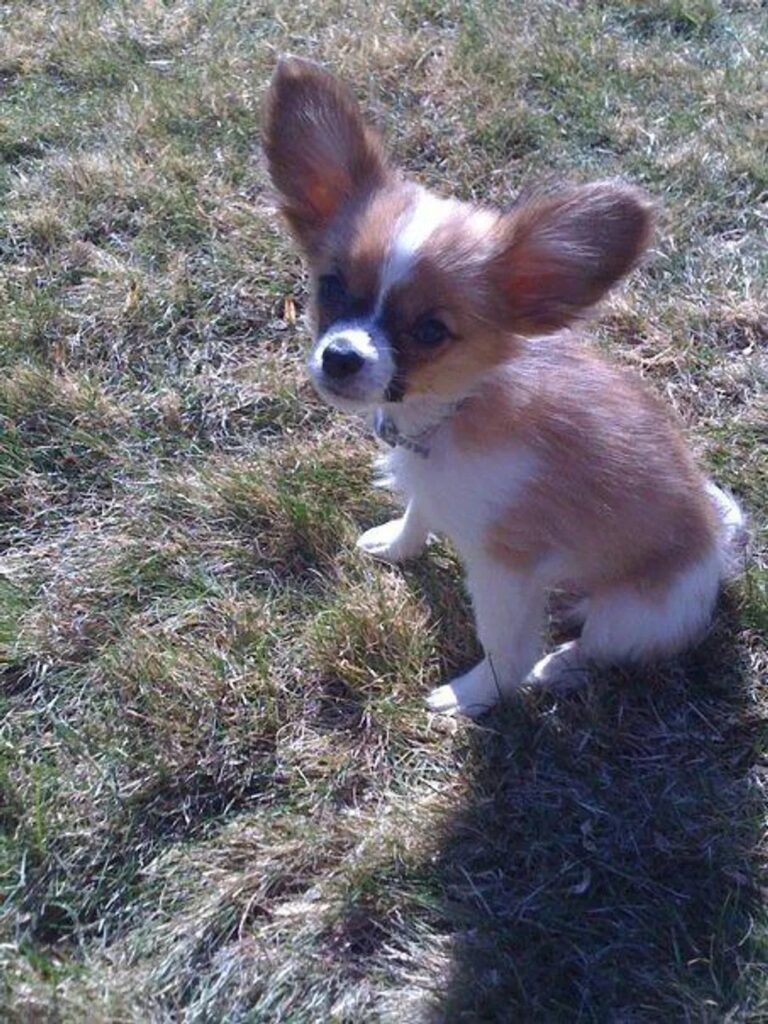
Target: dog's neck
413	423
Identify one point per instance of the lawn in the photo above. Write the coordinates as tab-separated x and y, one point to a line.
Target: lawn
221	795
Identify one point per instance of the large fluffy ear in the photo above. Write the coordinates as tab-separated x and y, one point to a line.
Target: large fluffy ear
319	150
561	251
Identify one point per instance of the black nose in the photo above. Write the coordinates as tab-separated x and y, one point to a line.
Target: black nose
341	360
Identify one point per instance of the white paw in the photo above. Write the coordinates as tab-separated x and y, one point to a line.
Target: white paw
564	669
472	694
390	542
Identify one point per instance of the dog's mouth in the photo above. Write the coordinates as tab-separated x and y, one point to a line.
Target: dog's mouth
347	397
395	390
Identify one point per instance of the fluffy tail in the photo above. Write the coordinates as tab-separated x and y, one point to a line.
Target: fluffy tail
734	535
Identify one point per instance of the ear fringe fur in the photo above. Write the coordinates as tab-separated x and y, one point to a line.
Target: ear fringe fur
319	150
561	248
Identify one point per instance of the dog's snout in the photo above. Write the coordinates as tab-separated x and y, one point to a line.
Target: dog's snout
351	365
341	359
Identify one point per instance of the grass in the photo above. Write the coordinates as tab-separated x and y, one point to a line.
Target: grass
221	797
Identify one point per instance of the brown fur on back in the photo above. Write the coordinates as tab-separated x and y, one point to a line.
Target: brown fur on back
616	490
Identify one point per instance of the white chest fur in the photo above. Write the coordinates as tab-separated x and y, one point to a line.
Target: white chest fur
459	494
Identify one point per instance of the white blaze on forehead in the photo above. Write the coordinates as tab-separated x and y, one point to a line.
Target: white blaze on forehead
412	230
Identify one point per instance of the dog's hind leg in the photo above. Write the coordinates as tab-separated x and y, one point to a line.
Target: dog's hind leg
633	622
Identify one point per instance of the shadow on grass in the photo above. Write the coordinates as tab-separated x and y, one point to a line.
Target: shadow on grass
603	867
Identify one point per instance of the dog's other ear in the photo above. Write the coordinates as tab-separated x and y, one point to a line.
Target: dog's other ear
560	252
319	150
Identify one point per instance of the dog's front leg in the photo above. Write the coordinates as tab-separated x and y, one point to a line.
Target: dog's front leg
399	538
509	609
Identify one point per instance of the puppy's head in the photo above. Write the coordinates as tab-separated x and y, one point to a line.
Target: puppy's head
418	295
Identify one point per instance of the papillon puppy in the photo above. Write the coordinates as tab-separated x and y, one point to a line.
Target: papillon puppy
547	468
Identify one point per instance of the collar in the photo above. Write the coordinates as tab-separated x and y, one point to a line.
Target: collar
385	428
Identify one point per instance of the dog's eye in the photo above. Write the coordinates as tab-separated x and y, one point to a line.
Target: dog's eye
332	290
430	332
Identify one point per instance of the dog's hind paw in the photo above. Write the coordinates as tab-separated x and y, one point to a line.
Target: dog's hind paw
564	669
